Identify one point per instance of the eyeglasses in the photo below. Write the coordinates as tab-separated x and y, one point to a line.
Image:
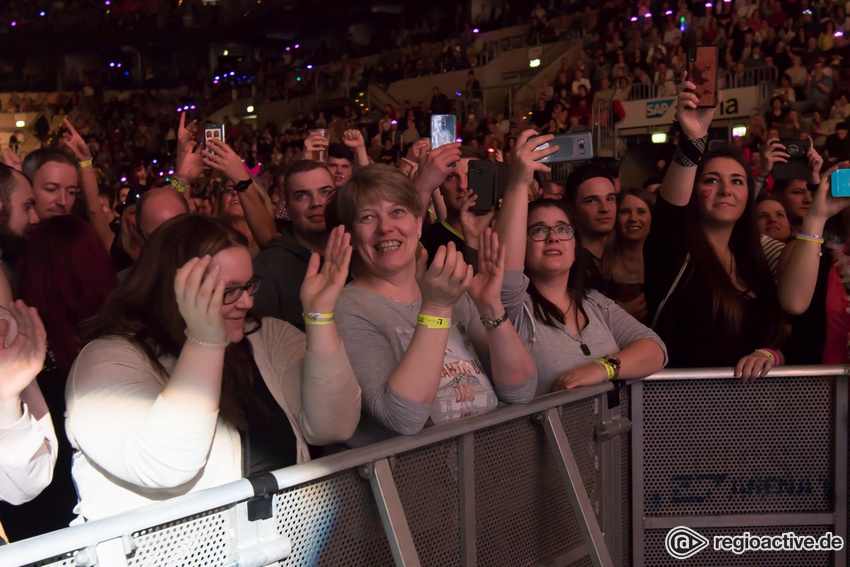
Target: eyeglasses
232	294
540	232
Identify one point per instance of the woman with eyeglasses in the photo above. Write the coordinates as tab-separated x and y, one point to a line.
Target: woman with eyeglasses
577	337
183	389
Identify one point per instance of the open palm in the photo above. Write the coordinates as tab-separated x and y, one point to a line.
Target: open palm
321	288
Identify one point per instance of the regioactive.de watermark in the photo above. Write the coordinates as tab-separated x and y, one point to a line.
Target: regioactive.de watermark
683	542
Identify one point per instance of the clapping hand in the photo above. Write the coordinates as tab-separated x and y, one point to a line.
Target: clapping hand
22	359
321	288
486	286
443	282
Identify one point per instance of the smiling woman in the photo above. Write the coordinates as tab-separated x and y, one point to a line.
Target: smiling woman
427	345
710	292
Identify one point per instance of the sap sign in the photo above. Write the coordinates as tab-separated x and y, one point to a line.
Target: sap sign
657	108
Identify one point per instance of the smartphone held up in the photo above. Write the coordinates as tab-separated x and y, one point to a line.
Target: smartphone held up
702	72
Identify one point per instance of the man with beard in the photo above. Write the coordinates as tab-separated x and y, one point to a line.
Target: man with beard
17	218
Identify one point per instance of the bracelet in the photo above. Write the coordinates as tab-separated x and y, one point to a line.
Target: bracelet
609	368
490	323
85	163
178	185
771	354
318	318
810	238
190	338
433	322
689	151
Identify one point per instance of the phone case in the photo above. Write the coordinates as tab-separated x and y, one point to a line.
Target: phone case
576	146
481	179
797	166
840	183
443	129
702	71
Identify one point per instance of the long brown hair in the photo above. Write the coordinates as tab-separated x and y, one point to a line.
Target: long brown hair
143	308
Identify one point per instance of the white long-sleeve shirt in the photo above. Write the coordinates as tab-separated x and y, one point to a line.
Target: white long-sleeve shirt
28	451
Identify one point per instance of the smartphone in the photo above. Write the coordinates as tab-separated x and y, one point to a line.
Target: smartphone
797	166
481	179
213	130
840	183
575	146
702	71
443	130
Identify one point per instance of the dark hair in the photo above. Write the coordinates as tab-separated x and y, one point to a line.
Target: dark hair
612	250
65	272
340	151
581	174
300	166
35	160
544	310
745	245
143	308
7	187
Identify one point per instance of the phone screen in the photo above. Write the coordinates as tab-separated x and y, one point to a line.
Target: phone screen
214	130
443	129
702	72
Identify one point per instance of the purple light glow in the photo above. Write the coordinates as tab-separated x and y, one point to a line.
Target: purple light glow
634	18
475	30
668	13
647	15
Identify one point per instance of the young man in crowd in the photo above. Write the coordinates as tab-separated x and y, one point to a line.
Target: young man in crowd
55	181
17	218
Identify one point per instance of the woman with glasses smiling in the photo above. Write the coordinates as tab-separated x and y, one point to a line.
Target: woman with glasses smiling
183	389
577	337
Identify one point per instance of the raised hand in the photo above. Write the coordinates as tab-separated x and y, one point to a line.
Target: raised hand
443	282
815	161
74	142
418	149
824	205
773	153
315	142
694	121
22	359
219	156
473	224
199	290
526	157
435	166
321	288
486	286
190	163
353	139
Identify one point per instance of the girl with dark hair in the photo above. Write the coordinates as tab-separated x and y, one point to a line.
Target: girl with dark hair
170	398
65	273
622	261
577	337
708	286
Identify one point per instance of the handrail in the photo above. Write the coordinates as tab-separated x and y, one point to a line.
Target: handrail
725	372
77	537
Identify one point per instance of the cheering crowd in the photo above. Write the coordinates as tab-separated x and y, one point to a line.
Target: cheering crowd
182	310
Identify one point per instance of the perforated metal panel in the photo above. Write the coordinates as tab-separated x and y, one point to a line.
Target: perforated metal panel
332	522
712	447
65	560
427	482
625	482
523	513
586	562
202	540
657	556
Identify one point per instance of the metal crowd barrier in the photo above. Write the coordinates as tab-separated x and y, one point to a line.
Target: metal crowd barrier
568	479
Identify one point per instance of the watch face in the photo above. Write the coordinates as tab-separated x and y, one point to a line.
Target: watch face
613	360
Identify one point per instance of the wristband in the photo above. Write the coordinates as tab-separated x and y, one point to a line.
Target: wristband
190	338
318	318
810	238
178	185
86	163
771	354
434	322
689	151
491	324
609	368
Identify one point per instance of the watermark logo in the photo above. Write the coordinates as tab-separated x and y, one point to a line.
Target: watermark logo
683	542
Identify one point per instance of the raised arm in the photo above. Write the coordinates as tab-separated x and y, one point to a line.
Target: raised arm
88	184
678	183
259	218
798	264
512	220
353	138
434	167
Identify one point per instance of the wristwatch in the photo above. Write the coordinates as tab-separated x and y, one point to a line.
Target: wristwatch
491	324
242	186
611	364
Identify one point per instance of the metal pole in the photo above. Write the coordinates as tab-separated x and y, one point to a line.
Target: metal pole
392	515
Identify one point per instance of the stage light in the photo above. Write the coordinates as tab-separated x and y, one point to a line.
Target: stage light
534	63
250	109
20	123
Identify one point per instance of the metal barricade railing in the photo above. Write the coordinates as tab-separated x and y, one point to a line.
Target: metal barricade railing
750	78
724	458
520	485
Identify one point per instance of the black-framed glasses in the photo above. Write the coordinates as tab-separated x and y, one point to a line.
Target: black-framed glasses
540	232
232	294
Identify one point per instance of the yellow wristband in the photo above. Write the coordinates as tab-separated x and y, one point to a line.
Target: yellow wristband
177	185
768	354
318	318
434	322
86	163
609	368
809	238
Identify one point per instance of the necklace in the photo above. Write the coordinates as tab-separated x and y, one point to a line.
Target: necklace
584	348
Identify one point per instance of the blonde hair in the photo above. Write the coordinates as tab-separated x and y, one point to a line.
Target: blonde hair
371	184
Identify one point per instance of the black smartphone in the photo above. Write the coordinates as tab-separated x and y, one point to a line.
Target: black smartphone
797	166
575	146
702	72
481	179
